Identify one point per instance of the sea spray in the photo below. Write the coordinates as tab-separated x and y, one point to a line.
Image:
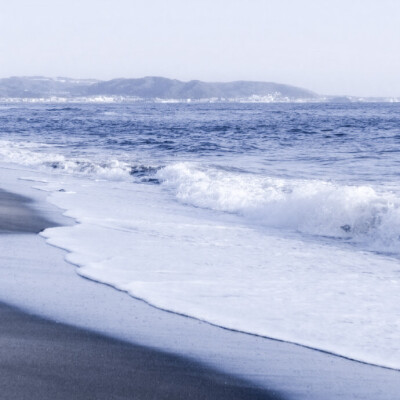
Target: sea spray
314	207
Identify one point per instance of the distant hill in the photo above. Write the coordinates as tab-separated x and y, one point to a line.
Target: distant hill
156	87
146	88
39	86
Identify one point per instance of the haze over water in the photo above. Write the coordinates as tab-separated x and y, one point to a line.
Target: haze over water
332	48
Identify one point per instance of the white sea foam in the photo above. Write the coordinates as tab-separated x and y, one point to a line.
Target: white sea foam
357	214
33	154
313	207
213	267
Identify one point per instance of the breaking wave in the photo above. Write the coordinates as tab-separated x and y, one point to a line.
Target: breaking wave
357	214
34	154
315	207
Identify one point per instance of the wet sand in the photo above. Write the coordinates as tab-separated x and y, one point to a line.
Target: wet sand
16	215
41	359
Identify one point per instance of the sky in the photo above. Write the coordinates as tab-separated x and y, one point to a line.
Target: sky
333	47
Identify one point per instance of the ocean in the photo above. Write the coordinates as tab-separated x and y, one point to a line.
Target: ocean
275	219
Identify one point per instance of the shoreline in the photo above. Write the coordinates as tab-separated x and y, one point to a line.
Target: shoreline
17	217
40	359
316	349
271	364
43	359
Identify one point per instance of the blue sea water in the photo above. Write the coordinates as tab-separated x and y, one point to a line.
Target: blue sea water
276	219
345	145
355	142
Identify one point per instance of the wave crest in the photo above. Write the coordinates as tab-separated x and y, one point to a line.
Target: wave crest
315	207
37	155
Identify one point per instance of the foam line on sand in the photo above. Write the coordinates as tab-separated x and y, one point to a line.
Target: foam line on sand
36	278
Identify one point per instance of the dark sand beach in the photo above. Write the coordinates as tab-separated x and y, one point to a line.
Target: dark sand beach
41	359
17	217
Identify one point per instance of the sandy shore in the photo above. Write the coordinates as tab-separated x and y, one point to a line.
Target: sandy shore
35	277
41	359
17	217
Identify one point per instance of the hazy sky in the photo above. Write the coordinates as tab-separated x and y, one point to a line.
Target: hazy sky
329	46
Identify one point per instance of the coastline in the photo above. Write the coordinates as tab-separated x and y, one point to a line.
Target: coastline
41	359
299	372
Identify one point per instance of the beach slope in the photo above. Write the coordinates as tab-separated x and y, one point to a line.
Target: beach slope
41	359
